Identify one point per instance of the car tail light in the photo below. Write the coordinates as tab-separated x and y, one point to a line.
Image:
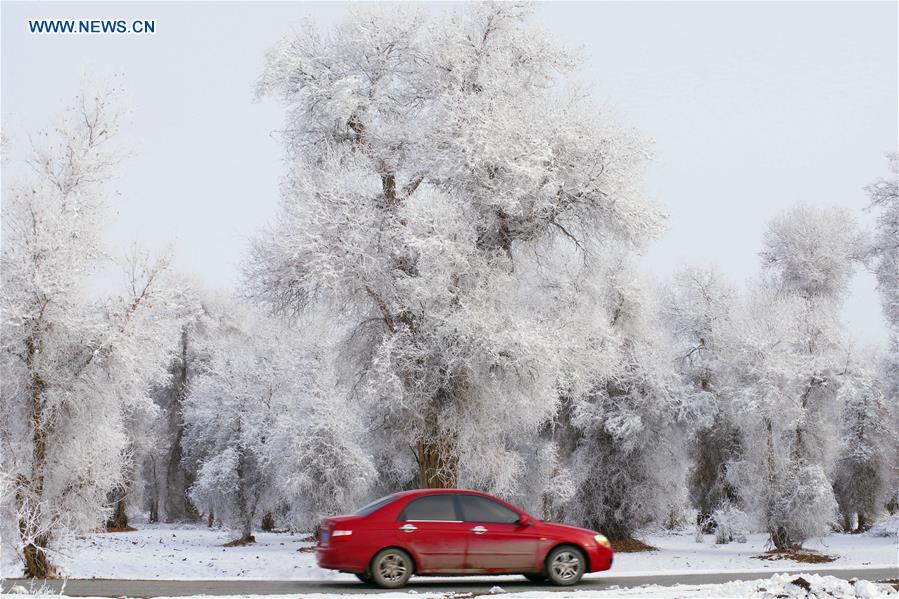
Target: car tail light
324	535
341	533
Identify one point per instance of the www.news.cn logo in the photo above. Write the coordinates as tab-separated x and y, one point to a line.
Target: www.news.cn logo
92	26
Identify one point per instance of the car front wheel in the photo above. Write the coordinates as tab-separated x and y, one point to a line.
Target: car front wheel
391	568
565	565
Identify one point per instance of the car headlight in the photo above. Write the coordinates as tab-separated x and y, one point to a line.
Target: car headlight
602	540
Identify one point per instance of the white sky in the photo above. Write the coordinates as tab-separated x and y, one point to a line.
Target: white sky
753	106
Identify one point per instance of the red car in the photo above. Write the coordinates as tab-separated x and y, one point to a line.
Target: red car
450	531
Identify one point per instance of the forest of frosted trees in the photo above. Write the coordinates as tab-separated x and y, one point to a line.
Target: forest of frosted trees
449	296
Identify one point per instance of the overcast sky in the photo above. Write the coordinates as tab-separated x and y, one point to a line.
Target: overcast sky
753	107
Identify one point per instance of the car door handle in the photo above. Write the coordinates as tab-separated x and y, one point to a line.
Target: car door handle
478	530
408	527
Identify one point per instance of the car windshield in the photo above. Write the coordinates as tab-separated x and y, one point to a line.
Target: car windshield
374	505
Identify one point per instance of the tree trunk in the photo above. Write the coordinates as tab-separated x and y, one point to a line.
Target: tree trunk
776	532
847	522
436	449
438	463
154	510
864	524
246	535
119	518
37	564
34	546
178	480
152	500
782	541
268	522
210	519
29	493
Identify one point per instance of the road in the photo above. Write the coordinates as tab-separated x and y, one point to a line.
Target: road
171	588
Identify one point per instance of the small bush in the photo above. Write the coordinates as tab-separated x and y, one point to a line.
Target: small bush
731	524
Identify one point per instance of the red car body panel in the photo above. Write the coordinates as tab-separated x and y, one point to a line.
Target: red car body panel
452	546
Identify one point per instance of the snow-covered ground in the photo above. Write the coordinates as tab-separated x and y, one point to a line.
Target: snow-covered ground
196	552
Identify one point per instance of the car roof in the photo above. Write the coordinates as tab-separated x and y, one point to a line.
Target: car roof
423	492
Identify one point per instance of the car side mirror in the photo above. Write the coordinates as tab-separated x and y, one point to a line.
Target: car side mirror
525	521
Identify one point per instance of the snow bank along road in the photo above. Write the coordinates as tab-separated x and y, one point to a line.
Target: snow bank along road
175	588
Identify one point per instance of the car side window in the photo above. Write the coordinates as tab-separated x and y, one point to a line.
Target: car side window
375	505
431	507
482	509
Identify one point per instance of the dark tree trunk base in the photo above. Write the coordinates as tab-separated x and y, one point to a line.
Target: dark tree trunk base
782	541
119	519
244	540
268	522
37	564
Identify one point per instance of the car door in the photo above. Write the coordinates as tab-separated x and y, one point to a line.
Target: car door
433	531
496	542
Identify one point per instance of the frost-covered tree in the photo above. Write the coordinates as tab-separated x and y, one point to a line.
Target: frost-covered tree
790	371
318	449
628	466
74	368
146	433
266	430
861	475
885	248
885	198
437	168
165	476
229	414
699	309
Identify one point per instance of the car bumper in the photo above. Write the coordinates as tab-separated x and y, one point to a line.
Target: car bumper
337	558
600	558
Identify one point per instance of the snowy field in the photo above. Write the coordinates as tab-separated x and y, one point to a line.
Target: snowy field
196	552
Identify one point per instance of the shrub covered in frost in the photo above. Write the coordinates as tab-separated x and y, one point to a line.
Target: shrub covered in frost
731	524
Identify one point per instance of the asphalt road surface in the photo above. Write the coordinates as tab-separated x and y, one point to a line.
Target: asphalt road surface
168	588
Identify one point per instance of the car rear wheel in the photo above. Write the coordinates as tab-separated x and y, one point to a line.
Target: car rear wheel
565	565
391	568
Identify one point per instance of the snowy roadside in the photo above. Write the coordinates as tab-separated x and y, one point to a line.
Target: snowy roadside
195	552
779	586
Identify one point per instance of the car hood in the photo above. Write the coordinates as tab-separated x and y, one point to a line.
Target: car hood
565	528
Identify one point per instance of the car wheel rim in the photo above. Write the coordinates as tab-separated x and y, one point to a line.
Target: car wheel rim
566	565
392	567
